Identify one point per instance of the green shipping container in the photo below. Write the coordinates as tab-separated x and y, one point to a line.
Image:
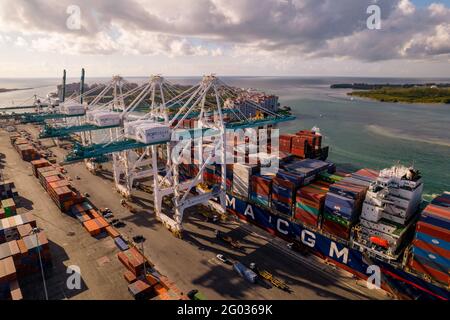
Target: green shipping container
9	212
308	209
337	219
9	207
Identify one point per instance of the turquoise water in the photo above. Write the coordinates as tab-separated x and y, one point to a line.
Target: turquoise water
377	135
360	133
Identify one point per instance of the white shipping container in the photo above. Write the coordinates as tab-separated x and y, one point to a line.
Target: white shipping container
106	119
91	114
72	109
130	127
154	132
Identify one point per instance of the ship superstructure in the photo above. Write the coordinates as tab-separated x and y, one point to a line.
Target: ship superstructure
390	206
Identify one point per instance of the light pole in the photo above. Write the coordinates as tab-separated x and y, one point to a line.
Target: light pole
36	231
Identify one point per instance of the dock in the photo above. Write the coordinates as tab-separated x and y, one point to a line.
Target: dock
102	273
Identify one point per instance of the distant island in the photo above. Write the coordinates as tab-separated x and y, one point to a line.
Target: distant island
15	89
408	93
369	86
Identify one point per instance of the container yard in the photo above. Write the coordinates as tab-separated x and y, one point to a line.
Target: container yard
149	207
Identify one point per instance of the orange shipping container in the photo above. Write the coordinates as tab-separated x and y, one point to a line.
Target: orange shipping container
129	276
159	289
59	184
93	214
92	227
102	222
151	280
112	232
22	247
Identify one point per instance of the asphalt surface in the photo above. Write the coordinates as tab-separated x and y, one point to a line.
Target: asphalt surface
191	262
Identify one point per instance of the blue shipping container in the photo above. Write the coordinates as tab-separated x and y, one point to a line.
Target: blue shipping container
437	260
340	206
433	241
282	207
121	244
430	218
294	178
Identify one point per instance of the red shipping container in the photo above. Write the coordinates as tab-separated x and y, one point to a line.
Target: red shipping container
133	260
279	198
298	152
306	132
314	140
260	185
435	274
434	231
52	179
335	229
306	217
299	142
285	142
441	212
432	248
284	183
314	204
129	276
59	184
123	258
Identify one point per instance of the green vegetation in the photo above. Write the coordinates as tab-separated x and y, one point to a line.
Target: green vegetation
408	95
9	90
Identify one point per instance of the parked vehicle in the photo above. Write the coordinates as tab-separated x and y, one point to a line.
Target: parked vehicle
195	295
245	272
222	258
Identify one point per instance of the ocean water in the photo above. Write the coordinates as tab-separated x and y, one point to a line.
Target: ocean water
360	133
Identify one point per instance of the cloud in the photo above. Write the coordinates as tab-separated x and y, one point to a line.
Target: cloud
20	42
270	28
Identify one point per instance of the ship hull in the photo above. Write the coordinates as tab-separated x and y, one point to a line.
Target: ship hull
393	279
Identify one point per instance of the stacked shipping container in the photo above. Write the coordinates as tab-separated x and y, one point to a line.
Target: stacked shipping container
7	208
58	188
26	151
431	245
304	144
10	227
261	186
7	190
343	205
19	253
310	201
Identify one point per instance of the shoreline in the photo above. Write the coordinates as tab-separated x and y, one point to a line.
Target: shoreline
373	99
4	90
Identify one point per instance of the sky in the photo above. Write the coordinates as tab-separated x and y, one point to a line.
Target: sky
39	38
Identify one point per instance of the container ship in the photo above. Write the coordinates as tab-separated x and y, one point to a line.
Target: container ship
359	221
373	224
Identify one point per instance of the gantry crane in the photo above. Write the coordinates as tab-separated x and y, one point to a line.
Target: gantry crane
163	158
209	96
